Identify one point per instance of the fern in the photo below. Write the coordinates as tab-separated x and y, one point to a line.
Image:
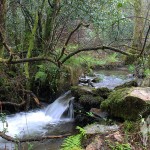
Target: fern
40	75
82	131
74	142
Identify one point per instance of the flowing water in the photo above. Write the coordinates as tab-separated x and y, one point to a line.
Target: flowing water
55	119
47	121
111	79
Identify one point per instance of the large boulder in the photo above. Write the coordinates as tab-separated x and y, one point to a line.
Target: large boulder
102	92
132	83
85	99
78	91
128	103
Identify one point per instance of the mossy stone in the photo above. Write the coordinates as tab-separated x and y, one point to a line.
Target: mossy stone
89	101
121	103
78	91
102	92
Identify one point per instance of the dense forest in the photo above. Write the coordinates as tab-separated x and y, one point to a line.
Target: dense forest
47	45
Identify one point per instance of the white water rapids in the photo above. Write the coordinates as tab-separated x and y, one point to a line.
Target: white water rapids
33	123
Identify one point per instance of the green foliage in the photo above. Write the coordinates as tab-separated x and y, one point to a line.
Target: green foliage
147	72
119	5
47	75
30	146
129	126
81	131
90	114
74	142
112	58
119	146
131	68
41	74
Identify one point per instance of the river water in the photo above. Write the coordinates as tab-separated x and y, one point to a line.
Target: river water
55	119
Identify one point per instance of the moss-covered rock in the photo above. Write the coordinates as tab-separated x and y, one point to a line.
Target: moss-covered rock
132	83
102	92
89	101
78	91
128	103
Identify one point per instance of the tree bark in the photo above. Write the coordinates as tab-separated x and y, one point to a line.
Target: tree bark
2	22
138	26
9	138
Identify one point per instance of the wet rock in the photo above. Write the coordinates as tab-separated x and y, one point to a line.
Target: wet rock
103	92
86	97
116	136
98	128
132	83
78	91
145	82
128	103
96	144
97	112
84	119
89	101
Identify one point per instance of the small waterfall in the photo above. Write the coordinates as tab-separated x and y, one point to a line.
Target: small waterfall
60	106
71	111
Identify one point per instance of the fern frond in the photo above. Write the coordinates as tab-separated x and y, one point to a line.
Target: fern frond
72	143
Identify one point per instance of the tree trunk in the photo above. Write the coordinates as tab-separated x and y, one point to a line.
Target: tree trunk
52	13
2	22
138	26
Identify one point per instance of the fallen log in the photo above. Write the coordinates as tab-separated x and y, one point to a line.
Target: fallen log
19	140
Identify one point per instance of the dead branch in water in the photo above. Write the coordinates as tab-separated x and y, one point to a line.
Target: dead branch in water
33	139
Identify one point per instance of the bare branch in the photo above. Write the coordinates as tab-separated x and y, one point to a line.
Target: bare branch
95	48
50	4
9	138
69	37
17	61
146	37
9	50
13	104
33	95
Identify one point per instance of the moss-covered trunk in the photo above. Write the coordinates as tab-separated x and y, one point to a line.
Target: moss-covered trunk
50	30
138	26
2	22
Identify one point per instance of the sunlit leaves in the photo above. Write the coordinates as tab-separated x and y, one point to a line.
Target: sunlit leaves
119	5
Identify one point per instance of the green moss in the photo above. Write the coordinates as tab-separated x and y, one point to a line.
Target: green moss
121	104
127	85
114	98
78	91
103	92
130	59
89	99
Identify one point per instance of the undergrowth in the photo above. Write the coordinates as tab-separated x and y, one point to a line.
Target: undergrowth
74	142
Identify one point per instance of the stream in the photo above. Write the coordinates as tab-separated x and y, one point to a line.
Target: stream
55	119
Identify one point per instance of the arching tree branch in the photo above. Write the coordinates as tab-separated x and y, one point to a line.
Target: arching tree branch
95	48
